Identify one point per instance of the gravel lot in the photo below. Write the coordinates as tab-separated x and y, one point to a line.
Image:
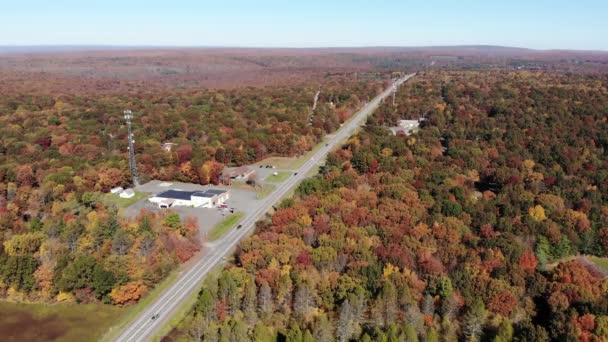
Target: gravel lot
240	199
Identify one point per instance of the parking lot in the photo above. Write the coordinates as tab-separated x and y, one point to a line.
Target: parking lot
241	200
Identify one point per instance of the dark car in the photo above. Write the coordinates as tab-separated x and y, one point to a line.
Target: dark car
239	226
154	316
326	144
295	173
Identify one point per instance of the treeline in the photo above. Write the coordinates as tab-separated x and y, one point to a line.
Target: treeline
81	251
459	232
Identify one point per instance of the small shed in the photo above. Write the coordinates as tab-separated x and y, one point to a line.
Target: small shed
167	146
116	190
128	193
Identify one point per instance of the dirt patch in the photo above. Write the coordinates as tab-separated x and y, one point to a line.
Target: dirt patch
56	322
16	325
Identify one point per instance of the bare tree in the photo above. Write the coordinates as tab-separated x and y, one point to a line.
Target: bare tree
265	303
303	300
344	328
250	302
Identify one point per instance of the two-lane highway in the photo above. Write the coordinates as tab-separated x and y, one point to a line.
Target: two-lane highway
144	327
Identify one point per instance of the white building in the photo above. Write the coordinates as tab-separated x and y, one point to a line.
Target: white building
167	147
406	126
201	199
128	193
116	190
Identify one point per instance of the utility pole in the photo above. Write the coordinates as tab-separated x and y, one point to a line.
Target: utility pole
132	166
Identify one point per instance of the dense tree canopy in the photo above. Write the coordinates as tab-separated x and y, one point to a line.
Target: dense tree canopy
59	238
462	230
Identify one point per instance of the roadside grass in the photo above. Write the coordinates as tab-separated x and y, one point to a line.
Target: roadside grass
123	203
224	226
290	163
133	311
264	190
602	263
178	315
281	176
181	312
57	322
261	190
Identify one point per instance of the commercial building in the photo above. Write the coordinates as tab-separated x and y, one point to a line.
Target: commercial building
209	198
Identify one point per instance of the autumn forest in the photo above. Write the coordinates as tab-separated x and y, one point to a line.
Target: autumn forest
489	223
478	227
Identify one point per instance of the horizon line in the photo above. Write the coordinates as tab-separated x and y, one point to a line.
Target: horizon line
163	46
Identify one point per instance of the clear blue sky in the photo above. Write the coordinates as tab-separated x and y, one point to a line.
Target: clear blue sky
544	24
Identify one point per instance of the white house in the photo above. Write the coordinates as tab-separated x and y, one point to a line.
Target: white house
406	126
201	199
116	190
128	193
167	146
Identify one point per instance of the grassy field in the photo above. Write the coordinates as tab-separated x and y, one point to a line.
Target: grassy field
221	228
602	263
56	322
280	177
122	203
292	163
264	190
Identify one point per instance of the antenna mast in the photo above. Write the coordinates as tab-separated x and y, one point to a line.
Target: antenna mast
132	165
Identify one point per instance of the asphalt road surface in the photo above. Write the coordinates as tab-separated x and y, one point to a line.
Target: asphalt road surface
144	327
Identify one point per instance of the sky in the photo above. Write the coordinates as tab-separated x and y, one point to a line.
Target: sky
539	24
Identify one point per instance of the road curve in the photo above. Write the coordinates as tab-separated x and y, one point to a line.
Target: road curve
143	327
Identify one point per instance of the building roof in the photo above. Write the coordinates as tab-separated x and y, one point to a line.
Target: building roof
187	195
176	194
216	191
202	194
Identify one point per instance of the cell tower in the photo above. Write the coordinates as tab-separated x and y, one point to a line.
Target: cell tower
132	165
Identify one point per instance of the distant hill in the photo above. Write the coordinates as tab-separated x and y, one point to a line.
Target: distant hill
94	68
480	49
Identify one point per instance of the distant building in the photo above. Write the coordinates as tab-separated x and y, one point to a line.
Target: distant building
201	199
167	147
128	193
406	127
117	190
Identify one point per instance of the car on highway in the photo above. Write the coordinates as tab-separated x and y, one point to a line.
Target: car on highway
155	316
295	173
239	226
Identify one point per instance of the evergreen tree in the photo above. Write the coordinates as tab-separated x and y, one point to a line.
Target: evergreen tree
261	333
308	336
322	329
505	332
294	334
